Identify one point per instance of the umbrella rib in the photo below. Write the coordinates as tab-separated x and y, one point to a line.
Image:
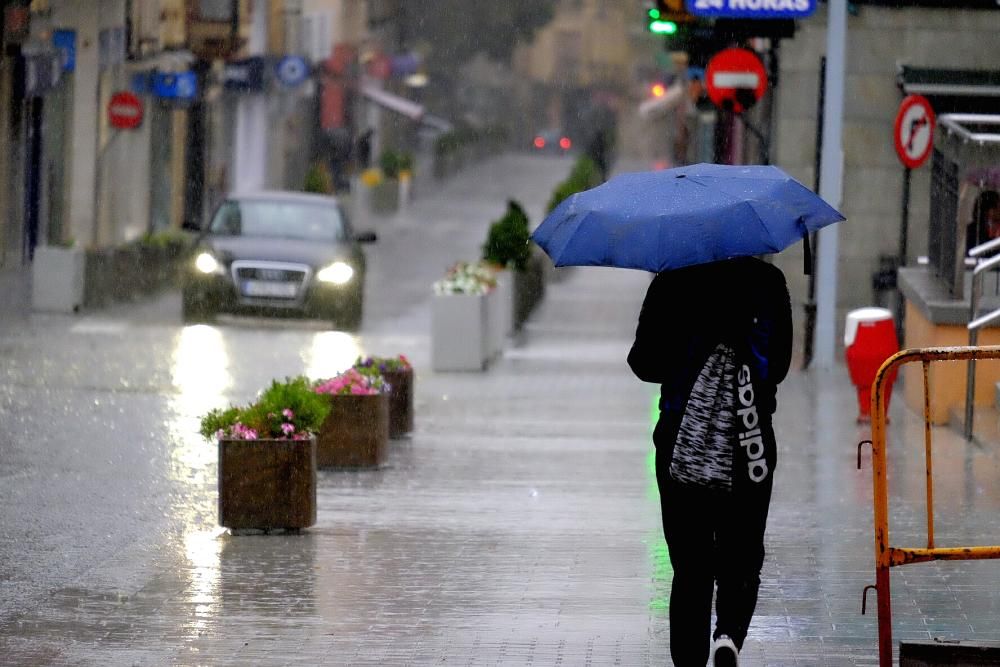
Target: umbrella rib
752	205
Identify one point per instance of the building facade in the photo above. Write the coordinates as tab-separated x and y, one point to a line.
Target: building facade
883	44
225	94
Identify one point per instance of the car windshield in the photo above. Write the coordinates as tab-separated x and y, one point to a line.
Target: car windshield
280	219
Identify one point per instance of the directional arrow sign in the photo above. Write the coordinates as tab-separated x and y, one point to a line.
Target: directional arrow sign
914	131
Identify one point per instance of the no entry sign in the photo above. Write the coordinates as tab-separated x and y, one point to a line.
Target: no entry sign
735	79
914	131
125	111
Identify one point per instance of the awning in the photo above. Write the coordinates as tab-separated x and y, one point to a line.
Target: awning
400	105
437	123
953	90
657	106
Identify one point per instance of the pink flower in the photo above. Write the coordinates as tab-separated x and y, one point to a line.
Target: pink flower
287	412
287	428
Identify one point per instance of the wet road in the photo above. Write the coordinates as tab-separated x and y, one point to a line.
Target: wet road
518	525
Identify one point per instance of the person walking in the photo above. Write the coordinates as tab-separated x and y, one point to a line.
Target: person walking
985	225
717	337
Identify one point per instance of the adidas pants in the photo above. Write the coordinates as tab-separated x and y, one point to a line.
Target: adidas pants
716	540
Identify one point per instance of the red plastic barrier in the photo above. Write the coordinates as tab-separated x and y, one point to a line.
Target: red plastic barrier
869	339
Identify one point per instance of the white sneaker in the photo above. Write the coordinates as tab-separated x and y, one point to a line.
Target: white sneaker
724	652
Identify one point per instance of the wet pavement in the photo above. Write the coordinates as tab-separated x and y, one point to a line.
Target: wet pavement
519	524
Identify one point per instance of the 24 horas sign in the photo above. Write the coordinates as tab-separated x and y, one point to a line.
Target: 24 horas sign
752	9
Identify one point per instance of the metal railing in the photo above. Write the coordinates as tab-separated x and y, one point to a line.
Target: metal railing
975	324
887	556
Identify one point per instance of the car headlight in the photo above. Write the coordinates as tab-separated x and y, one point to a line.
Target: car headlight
206	263
337	273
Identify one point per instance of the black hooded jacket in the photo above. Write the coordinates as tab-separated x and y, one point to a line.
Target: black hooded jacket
687	312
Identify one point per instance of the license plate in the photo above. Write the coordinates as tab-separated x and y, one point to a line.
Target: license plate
272	289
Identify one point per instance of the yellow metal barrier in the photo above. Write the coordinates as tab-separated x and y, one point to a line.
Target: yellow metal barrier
887	556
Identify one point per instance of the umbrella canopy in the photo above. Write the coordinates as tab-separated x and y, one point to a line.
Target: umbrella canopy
668	219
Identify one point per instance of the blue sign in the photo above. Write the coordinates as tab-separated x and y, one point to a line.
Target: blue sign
291	70
65	43
142	82
752	9
175	85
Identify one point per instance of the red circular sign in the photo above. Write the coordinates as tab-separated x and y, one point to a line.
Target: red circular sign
735	79
913	132
125	110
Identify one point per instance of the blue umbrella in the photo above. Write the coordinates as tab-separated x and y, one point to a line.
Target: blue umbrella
661	220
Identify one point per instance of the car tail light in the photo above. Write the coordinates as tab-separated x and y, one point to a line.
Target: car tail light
565	143
539	142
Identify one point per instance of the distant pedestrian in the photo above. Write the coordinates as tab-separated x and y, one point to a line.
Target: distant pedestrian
985	224
717	338
364	151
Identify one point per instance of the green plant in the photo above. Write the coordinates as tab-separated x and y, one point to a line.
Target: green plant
507	243
378	365
585	173
583	176
389	162
318	179
168	239
406	162
288	410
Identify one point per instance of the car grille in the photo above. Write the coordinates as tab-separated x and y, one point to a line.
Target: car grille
260	280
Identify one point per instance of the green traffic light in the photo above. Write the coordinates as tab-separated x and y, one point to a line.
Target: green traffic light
654	14
663	27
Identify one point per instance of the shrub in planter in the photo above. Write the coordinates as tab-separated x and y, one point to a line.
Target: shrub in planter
508	241
355	433
583	176
383	182
267	457
170	247
508	248
397	372
318	179
389	161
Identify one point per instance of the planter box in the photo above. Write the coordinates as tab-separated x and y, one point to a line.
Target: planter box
385	197
126	273
355	433
267	484
495	322
505	294
405	191
57	279
458	332
400	402
529	288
